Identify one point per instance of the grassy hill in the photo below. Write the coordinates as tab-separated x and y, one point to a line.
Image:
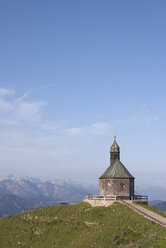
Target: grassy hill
81	226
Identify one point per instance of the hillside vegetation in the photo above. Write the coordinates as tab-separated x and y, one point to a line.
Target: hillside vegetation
81	226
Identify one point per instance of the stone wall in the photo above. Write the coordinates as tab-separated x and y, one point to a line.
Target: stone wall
102	203
116	186
106	203
106	187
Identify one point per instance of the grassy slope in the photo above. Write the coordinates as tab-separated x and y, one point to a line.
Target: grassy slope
81	226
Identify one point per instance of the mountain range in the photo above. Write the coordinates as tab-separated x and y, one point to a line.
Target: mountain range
18	194
160	206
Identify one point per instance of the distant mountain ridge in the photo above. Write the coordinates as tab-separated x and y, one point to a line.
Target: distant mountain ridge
160	206
50	189
11	204
153	192
17	194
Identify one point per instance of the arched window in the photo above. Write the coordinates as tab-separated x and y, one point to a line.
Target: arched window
121	186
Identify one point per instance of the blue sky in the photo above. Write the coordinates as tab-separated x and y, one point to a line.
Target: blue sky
72	72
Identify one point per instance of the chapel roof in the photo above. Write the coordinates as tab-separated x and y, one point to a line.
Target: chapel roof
116	170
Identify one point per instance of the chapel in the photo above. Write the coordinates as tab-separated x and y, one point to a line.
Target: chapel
116	180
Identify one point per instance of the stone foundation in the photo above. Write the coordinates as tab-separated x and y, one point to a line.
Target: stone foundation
106	203
100	203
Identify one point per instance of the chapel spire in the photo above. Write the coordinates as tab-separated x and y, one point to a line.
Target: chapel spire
114	152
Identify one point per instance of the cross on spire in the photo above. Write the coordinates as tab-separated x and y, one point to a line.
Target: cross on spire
114	135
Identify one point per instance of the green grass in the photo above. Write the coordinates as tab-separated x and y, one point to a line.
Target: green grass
81	226
152	209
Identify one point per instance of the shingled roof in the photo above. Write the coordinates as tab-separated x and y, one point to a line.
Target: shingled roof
116	170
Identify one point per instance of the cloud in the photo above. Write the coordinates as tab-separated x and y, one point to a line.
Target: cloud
5	106
21	98
75	131
8	122
50	125
29	111
4	91
98	128
19	109
26	135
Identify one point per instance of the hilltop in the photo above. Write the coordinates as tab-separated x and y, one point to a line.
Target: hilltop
81	226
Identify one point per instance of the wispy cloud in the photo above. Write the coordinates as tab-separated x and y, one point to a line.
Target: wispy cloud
29	111
8	122
21	98
51	126
27	134
5	106
19	109
75	131
4	91
98	128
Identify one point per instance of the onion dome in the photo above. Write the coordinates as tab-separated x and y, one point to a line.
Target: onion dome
115	147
